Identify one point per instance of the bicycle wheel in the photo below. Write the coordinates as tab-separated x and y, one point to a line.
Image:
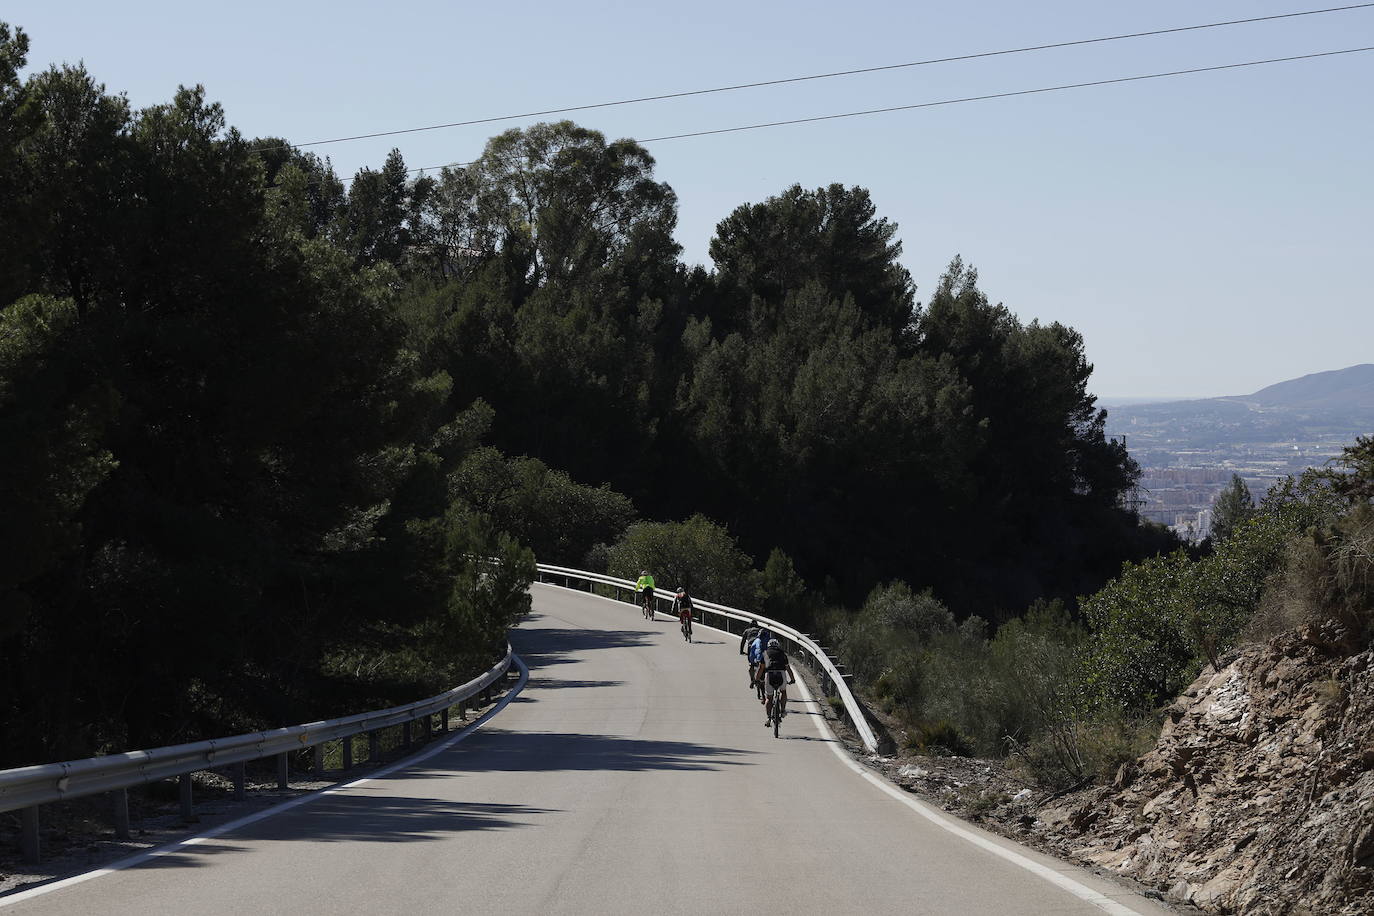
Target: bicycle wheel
777	712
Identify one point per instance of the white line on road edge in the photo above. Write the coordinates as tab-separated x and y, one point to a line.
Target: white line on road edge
176	846
940	819
934	815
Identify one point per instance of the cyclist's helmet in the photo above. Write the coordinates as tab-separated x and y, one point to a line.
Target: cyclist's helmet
643	572
681	590
774	644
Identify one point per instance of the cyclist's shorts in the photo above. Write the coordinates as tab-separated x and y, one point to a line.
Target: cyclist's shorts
776	679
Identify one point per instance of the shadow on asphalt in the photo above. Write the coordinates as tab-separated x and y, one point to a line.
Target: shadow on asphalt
549	683
348	818
540	648
546	752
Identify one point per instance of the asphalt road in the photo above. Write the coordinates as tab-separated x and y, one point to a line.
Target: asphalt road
632	774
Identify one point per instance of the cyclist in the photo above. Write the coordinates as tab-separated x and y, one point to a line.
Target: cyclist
756	647
750	633
644	590
772	667
746	643
682	607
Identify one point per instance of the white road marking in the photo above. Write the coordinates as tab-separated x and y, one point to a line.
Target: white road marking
170	848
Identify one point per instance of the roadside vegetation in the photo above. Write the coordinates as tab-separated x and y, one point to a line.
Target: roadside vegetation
278	445
1070	697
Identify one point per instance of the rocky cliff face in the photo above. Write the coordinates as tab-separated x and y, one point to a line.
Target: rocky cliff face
1258	798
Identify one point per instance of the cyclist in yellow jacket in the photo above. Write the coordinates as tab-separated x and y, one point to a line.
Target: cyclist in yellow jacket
644	590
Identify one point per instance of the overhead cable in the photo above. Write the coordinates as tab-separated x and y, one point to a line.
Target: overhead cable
972	98
832	75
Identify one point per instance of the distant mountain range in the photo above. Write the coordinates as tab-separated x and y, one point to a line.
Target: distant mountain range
1322	407
1342	390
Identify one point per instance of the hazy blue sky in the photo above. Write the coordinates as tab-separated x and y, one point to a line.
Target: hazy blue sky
1208	234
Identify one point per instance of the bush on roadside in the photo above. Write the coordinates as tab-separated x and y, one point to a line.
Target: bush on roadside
697	553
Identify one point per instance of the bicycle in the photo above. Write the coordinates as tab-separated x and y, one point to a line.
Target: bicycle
775	712
648	605
687	627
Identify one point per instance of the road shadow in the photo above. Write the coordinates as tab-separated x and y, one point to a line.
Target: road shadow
351	817
541	648
547	752
548	683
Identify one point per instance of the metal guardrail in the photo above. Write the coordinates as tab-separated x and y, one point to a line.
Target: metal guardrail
28	787
833	679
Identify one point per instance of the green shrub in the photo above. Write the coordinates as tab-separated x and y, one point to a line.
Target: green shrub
981	802
939	739
1160	622
697	553
885	640
1077	751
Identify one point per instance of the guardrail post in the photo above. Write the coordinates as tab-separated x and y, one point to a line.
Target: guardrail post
848	682
317	760
348	752
188	811
462	711
283	772
240	781
372	746
121	813
405	734
429	728
443	720
29	840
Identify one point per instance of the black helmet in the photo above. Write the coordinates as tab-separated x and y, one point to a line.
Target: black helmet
774	644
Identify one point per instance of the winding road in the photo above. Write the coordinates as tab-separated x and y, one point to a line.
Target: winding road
633	773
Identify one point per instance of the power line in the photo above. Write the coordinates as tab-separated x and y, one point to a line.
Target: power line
1005	95
838	73
973	98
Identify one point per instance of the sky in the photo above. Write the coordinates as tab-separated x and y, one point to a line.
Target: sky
1208	234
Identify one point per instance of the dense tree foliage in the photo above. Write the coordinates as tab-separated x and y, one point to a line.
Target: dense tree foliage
261	423
222	465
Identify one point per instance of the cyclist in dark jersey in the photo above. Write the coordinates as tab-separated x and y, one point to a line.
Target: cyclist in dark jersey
682	607
773	667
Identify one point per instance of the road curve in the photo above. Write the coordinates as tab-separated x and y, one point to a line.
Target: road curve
633	774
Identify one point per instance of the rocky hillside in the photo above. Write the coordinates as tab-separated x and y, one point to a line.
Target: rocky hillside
1258	798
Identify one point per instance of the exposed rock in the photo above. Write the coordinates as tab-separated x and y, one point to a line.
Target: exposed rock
1259	796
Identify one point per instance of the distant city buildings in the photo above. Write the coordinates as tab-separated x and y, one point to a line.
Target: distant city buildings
1178	487
1188	450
